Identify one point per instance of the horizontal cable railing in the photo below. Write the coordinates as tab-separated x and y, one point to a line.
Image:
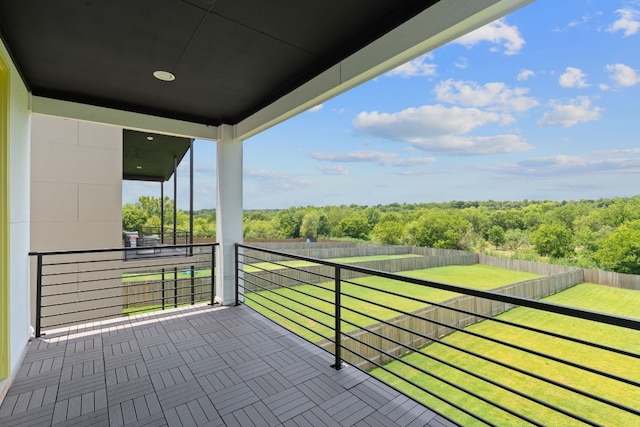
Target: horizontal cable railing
82	286
477	357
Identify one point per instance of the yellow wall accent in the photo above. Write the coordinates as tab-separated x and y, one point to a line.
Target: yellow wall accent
4	219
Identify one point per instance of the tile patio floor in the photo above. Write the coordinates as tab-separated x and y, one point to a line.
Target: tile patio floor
194	367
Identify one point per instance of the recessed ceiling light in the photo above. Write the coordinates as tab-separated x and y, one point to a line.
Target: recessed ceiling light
165	76
149	138
138	167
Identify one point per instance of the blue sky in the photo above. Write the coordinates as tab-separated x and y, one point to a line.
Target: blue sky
541	104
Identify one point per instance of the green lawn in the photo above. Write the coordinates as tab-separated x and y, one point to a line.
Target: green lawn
259	266
142	277
475	276
588	296
168	275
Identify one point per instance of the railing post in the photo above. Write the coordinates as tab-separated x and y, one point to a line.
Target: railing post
213	274
175	287
163	288
237	258
193	284
39	296
338	304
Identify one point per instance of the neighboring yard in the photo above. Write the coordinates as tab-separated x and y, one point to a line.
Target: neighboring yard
259	266
141	278
587	296
474	276
185	274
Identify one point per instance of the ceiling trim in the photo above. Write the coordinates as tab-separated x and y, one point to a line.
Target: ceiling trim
125	119
441	23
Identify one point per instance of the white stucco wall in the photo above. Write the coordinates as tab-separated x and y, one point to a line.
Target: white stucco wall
19	189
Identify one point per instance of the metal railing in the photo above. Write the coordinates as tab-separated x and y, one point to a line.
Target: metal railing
156	234
477	357
81	286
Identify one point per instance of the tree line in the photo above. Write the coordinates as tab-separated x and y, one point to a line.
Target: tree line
602	233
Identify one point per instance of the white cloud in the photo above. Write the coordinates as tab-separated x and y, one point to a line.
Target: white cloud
382	158
619	151
525	74
456	145
415	67
628	23
583	20
333	170
276	179
573	77
494	95
498	33
562	165
461	63
423	122
438	129
623	74
316	108
578	110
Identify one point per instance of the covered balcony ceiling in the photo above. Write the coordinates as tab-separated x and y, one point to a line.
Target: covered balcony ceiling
232	59
151	157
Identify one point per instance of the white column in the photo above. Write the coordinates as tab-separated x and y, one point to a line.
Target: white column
228	211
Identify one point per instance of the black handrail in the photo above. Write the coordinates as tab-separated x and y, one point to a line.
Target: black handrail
73	286
260	288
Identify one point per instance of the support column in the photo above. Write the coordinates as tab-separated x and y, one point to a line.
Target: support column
228	211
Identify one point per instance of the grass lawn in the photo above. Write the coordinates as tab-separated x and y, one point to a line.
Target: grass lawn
588	296
474	276
260	266
133	278
184	274
168	275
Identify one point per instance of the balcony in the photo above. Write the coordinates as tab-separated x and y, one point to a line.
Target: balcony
157	349
500	356
197	364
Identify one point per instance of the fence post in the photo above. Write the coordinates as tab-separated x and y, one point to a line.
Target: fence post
39	297
338	353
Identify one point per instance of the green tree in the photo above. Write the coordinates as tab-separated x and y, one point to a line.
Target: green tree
437	229
310	224
388	232
133	218
204	228
620	251
508	220
289	222
514	239
260	229
496	236
590	230
355	226
554	240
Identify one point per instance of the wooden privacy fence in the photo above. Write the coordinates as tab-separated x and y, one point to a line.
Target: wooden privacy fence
345	250
173	292
422	325
605	278
286	277
616	280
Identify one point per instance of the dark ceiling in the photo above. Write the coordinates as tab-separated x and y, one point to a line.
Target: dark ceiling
230	57
150	157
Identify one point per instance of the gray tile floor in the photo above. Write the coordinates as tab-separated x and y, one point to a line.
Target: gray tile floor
194	367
